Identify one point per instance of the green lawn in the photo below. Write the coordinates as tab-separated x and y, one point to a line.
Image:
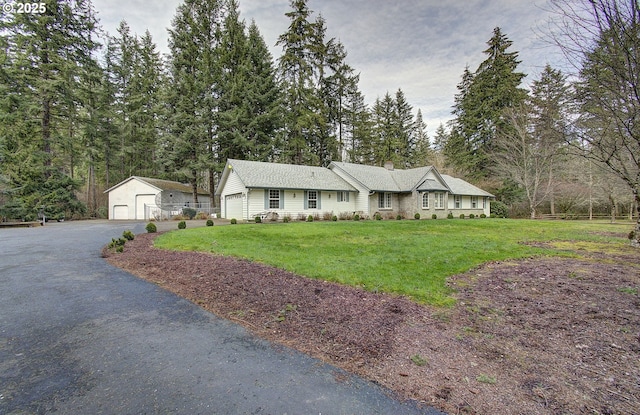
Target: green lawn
407	257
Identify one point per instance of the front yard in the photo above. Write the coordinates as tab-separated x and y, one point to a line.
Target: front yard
412	258
513	317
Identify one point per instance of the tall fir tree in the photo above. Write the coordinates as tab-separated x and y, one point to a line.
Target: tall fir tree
263	98
195	72
304	122
480	104
47	54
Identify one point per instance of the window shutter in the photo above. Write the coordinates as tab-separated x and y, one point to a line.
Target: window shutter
306	200
281	202
348	195
266	199
318	203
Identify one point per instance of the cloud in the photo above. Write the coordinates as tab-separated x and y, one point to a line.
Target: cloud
420	46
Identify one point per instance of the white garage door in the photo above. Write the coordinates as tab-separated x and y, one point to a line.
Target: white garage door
120	212
233	206
142	200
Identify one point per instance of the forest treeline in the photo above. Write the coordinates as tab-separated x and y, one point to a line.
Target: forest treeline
82	110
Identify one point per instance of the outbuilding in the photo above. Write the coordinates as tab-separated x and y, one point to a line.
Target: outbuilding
143	198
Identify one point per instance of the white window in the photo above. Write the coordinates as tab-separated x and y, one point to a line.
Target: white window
312	199
439	200
458	201
425	200
274	199
384	200
343	196
474	202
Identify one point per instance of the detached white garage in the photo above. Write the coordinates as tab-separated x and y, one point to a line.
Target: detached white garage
140	198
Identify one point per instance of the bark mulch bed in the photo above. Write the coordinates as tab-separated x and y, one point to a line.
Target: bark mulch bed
536	336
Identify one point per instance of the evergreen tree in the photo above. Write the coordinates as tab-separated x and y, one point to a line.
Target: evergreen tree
480	105
46	56
304	122
405	131
263	98
387	147
195	71
423	153
359	128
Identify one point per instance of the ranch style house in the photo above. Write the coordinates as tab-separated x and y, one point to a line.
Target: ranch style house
272	190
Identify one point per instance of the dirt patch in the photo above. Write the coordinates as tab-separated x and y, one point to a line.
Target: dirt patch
538	336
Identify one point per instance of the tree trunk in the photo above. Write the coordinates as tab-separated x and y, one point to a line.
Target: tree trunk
636	240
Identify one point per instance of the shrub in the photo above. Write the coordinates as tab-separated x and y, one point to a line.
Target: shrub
120	249
286	219
151	228
434	216
472	216
398	217
356	217
450	215
632	235
182	224
416	216
234	221
202	216
499	210
345	216
115	243
327	215
189	213
334	218
377	216
128	235
258	219
482	216
310	218
301	217
462	216
209	222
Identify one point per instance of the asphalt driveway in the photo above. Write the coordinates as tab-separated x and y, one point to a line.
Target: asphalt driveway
78	336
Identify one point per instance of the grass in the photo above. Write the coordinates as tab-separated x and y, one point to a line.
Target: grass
411	258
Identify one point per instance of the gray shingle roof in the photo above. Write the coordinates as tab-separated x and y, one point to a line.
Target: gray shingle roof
256	174
380	179
461	187
169	185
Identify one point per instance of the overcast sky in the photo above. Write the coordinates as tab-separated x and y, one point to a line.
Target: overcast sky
420	46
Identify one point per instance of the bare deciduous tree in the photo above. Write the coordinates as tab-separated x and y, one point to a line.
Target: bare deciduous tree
602	38
519	156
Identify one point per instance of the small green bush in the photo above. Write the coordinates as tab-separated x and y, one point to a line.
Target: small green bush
356	217
128	235
632	235
472	216
182	225
499	209
398	217
482	216
310	218
416	216
462	216
120	249
258	219
151	227
434	216
450	215
378	216
234	221
334	218
209	222
286	219
189	213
